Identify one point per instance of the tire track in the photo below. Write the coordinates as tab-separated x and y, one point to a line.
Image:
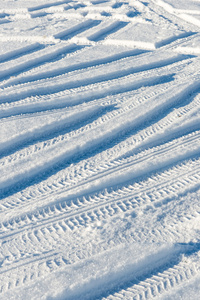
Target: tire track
83	94
108	30
76	67
131	143
54	129
83	26
156	191
158	284
21	52
55	230
70	257
101	93
110	115
152	116
105	134
46	56
40	90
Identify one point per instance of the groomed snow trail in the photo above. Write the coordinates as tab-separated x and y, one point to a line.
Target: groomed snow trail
99	149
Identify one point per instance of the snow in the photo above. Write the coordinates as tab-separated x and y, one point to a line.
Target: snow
99	149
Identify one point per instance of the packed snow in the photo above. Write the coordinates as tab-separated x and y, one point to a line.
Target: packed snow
99	149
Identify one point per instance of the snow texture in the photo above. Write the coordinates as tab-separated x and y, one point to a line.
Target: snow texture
99	149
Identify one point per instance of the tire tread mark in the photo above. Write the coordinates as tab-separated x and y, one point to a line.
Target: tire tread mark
119	200
24	198
158	284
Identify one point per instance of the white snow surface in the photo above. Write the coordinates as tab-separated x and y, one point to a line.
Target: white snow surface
99	149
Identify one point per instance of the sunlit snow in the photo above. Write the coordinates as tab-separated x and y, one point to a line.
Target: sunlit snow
99	149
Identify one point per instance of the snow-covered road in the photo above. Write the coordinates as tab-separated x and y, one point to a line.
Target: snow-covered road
99	149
